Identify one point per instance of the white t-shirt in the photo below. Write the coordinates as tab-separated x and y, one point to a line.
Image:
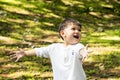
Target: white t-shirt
66	61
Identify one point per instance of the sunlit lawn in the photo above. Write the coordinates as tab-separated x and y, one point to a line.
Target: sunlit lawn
103	63
33	23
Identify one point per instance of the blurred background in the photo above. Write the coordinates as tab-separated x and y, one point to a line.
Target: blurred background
26	24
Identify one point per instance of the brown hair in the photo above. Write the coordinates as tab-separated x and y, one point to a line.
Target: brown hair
66	22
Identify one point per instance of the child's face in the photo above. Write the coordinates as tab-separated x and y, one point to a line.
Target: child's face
71	34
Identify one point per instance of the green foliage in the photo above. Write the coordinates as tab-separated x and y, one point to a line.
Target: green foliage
103	66
34	23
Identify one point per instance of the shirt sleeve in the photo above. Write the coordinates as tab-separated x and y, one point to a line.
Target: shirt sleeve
43	51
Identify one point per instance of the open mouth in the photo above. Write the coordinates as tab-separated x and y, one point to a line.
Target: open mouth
76	36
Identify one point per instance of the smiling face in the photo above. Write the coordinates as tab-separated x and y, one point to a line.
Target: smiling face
71	34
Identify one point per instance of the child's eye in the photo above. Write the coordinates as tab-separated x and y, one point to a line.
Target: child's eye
79	30
73	28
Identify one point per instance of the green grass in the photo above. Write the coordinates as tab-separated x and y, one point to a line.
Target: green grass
34	23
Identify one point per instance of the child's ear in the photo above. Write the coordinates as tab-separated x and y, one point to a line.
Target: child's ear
62	33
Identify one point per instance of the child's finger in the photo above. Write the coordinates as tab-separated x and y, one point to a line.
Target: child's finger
89	51
12	52
14	57
17	59
87	45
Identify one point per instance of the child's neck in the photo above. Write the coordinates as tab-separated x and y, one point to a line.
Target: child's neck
66	44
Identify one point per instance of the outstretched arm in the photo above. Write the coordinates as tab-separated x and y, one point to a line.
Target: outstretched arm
84	52
19	54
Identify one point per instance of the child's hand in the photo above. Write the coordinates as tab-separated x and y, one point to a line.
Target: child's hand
17	55
84	52
86	47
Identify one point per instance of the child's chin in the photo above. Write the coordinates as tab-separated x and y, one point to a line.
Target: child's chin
75	42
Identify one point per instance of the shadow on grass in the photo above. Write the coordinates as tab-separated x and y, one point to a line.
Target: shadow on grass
5	27
63	10
28	78
103	66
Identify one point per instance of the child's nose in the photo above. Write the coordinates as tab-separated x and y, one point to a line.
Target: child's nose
77	31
